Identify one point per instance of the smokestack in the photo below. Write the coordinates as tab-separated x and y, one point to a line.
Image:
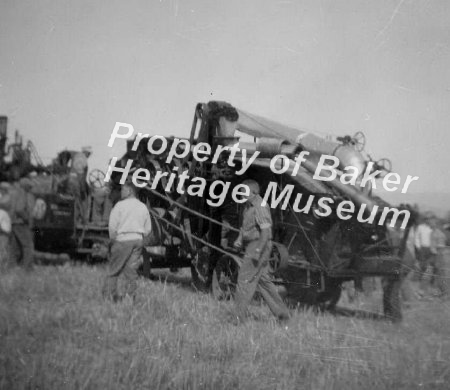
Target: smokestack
3	137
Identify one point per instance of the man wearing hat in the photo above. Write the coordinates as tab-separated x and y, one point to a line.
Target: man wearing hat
439	258
5	224
255	239
129	224
77	177
21	213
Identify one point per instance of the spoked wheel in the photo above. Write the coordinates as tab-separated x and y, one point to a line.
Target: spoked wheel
359	141
279	257
224	279
97	178
385	165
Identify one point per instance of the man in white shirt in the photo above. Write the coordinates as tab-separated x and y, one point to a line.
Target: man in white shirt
129	224
423	245
423	250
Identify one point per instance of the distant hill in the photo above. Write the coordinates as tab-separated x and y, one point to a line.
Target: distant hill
438	202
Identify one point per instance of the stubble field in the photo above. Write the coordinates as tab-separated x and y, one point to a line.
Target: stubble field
57	333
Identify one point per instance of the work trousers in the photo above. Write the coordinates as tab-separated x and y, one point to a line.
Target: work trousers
5	254
441	263
24	239
423	258
407	274
125	257
406	289
254	276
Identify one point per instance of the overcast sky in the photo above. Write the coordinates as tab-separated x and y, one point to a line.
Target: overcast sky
70	69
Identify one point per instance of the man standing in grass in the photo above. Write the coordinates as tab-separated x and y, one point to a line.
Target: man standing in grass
256	239
5	225
21	213
129	224
439	259
423	248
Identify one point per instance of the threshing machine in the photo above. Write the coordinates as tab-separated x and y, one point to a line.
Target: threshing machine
312	254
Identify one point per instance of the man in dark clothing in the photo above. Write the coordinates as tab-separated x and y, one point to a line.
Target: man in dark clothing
5	225
256	239
22	203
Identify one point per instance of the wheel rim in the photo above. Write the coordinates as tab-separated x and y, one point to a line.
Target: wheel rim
97	178
359	141
279	257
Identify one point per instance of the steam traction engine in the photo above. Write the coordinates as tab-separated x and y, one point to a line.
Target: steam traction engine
312	255
63	223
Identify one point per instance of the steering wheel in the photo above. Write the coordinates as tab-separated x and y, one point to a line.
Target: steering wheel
359	141
96	178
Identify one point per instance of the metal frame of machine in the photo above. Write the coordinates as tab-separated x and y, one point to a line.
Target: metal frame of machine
58	227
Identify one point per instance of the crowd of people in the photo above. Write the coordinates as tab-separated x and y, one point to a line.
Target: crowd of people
130	228
430	242
18	206
425	254
16	222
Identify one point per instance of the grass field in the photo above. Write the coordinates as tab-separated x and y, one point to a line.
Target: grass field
57	333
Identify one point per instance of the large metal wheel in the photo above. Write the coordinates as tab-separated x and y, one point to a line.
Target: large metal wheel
96	179
224	278
279	257
359	141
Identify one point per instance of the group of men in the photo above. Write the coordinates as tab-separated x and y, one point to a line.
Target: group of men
430	248
130	227
16	222
17	204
